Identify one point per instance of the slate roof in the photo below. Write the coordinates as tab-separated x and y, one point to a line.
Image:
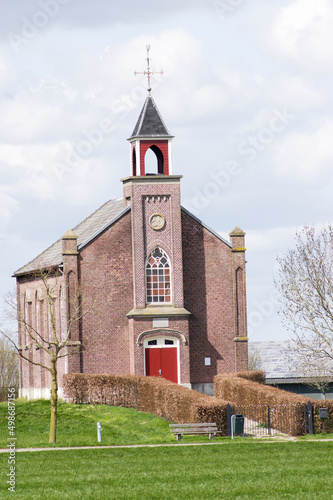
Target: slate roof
274	358
89	229
150	123
93	225
277	361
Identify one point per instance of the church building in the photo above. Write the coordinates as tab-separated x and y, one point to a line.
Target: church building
169	293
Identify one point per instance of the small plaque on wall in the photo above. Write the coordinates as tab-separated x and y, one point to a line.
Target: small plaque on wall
157	222
161	323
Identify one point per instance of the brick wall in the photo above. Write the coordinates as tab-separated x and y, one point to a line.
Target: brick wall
35	381
210	272
106	277
148	196
209	291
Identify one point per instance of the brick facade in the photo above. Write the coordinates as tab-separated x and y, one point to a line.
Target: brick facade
210	295
35	381
103	263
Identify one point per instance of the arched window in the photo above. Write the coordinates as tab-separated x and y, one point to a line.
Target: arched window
158	277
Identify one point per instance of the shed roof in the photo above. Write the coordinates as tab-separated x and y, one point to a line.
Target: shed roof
280	360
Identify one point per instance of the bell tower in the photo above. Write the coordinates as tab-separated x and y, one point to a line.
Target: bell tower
158	313
150	132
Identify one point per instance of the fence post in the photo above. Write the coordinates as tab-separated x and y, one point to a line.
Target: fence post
310	420
305	419
269	420
228	419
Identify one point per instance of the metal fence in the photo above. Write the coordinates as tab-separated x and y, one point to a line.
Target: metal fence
266	420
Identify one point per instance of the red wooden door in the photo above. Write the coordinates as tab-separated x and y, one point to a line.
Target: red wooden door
162	362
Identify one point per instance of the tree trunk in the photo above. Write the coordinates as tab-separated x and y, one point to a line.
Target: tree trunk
54	400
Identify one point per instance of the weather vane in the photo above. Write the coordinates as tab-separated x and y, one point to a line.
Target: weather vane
148	72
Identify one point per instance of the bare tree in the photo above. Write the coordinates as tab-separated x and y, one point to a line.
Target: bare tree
9	374
311	369
56	340
305	283
254	363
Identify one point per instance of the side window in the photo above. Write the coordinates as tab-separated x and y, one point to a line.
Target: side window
158	277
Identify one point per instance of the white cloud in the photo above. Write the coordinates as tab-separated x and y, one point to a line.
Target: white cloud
8	205
303	32
307	156
25	118
7	80
274	239
33	157
175	51
222	80
298	94
208	99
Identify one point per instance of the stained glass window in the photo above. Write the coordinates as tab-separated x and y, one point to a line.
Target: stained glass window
158	277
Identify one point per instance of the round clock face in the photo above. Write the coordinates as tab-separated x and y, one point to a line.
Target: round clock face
157	221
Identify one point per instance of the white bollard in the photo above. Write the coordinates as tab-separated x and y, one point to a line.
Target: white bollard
99	432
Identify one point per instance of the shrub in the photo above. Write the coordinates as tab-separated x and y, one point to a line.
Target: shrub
241	391
255	376
151	394
286	410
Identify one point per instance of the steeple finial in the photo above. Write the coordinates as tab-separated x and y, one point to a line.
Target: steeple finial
148	72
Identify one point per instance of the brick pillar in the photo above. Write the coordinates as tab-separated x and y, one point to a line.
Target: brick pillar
71	296
237	238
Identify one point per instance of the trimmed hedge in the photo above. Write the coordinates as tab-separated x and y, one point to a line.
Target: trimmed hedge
287	409
255	376
179	404
150	394
238	390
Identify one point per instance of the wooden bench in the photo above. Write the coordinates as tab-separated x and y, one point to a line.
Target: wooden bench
179	430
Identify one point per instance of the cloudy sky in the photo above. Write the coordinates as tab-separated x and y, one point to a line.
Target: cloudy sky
246	90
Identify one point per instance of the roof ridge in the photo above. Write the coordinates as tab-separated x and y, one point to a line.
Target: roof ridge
52	255
94	212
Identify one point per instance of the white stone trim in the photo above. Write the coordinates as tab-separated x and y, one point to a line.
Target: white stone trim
170	157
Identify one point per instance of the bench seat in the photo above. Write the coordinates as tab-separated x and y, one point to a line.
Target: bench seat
180	430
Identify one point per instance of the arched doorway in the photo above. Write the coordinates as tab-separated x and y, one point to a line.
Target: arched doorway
161	357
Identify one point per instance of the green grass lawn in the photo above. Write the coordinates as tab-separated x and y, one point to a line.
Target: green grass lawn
225	469
239	469
77	425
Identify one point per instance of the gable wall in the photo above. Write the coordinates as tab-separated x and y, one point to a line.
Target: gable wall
106	277
209	296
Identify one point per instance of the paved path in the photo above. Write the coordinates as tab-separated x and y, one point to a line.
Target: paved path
65	448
